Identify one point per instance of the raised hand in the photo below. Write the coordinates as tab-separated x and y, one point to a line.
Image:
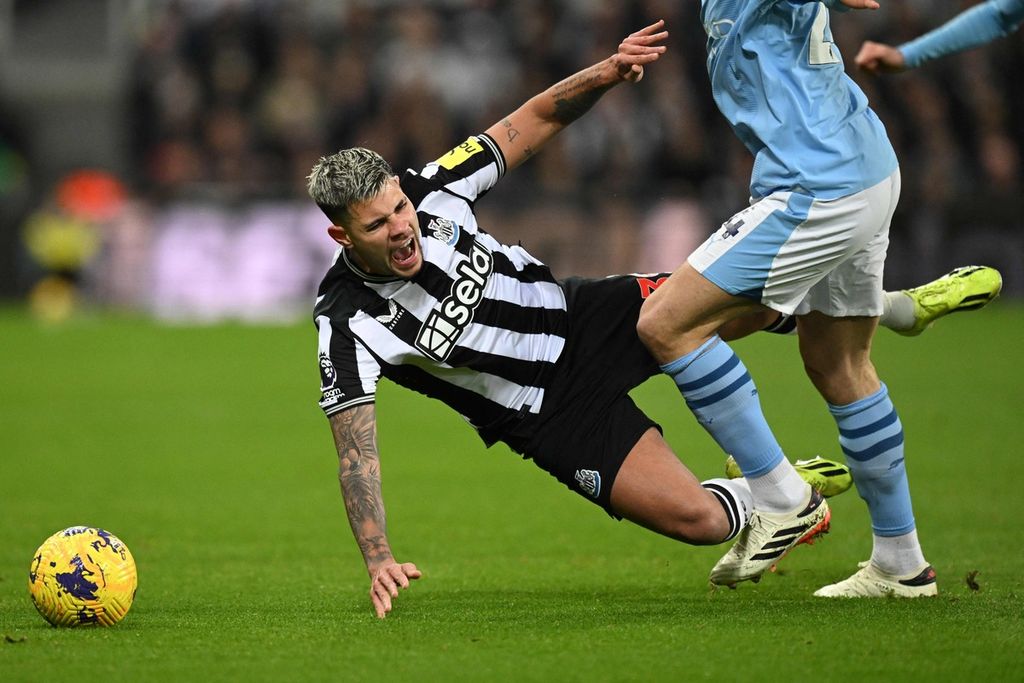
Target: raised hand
879	58
638	49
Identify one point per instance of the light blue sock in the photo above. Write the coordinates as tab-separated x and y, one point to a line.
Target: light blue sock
722	396
871	436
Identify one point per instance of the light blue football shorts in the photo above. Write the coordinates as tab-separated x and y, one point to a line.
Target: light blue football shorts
795	253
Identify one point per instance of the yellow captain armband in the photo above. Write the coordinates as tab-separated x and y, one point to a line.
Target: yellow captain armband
460	154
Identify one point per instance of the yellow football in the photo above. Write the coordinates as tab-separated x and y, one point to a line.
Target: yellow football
83	575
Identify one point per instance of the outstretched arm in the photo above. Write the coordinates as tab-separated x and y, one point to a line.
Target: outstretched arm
522	133
355	436
973	27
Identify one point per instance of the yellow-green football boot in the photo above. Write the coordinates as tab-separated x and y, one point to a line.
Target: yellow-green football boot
963	289
828	477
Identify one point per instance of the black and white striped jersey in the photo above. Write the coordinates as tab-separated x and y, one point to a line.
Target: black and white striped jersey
479	327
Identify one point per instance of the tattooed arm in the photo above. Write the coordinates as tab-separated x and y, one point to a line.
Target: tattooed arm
355	435
523	132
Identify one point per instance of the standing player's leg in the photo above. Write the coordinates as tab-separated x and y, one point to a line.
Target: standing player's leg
836	324
837	356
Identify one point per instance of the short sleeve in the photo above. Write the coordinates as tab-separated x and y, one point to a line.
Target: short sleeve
470	169
348	372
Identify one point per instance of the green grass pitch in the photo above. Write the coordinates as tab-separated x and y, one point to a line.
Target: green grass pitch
203	449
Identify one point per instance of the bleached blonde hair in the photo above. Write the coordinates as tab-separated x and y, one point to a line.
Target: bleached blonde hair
347	177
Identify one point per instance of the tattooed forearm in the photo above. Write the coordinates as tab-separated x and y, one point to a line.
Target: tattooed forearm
510	132
577	94
374	548
355	436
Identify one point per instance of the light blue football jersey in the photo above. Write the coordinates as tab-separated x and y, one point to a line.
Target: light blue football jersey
778	78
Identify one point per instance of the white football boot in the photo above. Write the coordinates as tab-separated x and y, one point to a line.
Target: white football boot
768	537
871	582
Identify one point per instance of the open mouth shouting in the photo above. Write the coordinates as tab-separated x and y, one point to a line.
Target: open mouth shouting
383	234
405	258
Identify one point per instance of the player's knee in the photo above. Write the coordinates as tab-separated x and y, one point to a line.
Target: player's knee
702	523
841	380
818	371
647	326
655	332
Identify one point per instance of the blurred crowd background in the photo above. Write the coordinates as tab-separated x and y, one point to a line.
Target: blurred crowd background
153	153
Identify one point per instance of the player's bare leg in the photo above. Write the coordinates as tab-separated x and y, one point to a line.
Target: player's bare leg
686	311
658	492
837	357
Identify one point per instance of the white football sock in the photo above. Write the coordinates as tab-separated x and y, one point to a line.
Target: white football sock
898	313
780	490
898	555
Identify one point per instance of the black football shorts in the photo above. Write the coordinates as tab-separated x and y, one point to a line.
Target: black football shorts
588	423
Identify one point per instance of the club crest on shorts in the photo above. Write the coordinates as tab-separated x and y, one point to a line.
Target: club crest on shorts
589	481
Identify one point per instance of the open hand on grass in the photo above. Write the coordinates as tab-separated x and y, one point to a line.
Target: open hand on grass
385	582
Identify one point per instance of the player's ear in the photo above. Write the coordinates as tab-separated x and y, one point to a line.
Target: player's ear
339	235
